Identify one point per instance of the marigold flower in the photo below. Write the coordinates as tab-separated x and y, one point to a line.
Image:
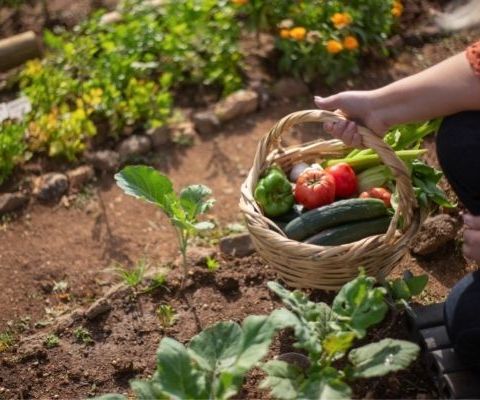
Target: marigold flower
341	20
350	43
284	33
397	9
313	36
334	46
286	24
298	33
240	2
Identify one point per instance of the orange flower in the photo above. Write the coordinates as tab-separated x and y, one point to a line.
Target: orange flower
284	33
350	43
334	46
298	33
397	9
240	2
341	20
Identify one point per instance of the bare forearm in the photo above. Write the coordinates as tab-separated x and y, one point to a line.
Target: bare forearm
444	89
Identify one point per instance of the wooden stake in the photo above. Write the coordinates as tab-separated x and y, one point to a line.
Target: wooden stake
17	49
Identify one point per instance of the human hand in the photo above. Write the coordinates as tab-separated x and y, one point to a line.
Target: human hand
471	237
358	107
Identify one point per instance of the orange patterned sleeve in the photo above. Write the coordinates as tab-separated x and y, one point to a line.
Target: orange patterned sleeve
473	56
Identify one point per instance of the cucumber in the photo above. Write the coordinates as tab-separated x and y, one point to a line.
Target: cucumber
351	232
295	212
334	214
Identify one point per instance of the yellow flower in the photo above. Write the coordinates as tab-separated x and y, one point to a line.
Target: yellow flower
284	33
334	46
298	33
341	20
350	43
33	68
240	2
397	9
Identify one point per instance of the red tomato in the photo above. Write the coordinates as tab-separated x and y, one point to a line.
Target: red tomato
315	188
345	180
378	193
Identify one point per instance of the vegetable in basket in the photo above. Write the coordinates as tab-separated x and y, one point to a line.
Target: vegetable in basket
274	193
378	193
315	188
345	180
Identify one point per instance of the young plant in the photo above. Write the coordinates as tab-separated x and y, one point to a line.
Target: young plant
182	209
83	335
327	334
401	290
132	277
6	341
212	264
51	341
166	314
214	363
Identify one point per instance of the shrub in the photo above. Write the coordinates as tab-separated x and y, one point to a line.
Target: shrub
12	147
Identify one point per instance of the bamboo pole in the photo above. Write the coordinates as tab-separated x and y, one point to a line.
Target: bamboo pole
17	49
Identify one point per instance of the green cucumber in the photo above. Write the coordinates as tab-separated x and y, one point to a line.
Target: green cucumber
340	212
348	233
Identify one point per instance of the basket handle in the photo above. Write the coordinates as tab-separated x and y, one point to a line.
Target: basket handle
406	197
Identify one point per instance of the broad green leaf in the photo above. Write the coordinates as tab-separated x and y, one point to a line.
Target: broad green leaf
325	385
111	396
338	342
217	346
378	359
416	284
148	390
359	305
148	184
400	290
194	200
176	374
283	379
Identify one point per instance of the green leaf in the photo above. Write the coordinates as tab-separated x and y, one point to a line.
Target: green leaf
176	374
338	342
325	385
399	289
148	390
194	200
147	184
416	284
283	379
359	305
111	396
383	357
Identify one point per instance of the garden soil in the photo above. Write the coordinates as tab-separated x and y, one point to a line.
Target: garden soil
56	259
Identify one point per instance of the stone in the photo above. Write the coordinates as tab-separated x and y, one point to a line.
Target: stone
104	160
435	233
78	177
10	202
289	87
99	307
237	245
184	133
242	102
159	136
206	122
31	348
50	187
133	146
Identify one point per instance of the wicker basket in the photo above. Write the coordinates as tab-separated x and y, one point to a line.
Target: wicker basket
326	267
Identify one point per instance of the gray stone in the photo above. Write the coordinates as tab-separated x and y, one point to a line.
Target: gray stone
135	145
78	177
206	122
159	136
237	245
10	202
242	102
50	187
99	307
289	87
434	234
183	132
104	160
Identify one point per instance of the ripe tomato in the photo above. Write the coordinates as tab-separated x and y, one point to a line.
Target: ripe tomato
315	188
378	193
345	180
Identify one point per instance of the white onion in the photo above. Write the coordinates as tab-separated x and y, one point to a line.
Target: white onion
297	170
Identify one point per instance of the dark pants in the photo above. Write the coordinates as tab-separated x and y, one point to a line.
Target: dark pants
458	148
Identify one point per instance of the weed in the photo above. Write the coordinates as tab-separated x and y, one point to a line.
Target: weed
51	341
166	314
156	282
212	264
83	335
133	277
6	340
60	286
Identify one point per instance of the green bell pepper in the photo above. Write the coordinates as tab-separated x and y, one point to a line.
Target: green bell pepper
274	193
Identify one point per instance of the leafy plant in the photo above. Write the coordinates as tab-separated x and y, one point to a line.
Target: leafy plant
182	209
402	290
212	264
132	277
327	335
214	363
6	340
166	314
12	147
83	335
51	341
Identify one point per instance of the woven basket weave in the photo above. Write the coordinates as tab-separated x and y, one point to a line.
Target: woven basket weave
326	267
